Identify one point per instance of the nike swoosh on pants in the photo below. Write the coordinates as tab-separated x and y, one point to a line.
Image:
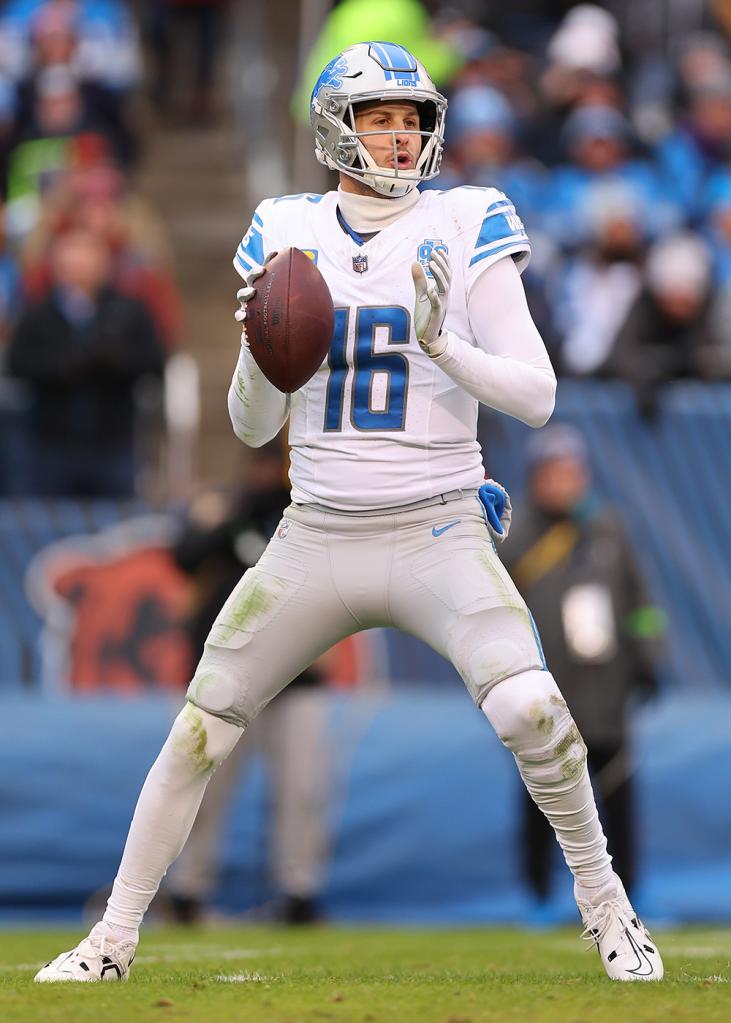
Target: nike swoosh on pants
437	531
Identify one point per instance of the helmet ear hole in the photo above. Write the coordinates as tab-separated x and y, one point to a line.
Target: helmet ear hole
427	116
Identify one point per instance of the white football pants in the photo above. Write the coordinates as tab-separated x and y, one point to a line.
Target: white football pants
432	572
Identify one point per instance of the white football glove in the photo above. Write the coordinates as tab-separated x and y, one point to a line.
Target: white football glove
246	293
432	298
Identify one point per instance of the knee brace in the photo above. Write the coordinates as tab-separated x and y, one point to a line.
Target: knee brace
202	740
531	718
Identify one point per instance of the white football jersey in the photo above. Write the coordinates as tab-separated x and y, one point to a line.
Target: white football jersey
380	425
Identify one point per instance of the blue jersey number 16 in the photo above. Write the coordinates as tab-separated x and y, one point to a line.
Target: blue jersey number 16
366	363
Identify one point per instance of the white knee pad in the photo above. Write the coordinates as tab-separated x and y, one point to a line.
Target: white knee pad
531	718
202	740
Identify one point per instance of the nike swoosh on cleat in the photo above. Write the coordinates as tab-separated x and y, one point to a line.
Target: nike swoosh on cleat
644	966
437	531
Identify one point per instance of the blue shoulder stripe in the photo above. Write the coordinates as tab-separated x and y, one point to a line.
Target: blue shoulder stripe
502	224
252	245
517	243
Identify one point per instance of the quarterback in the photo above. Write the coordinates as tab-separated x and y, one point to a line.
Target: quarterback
391	521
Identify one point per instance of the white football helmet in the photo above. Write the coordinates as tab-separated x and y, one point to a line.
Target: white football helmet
367	73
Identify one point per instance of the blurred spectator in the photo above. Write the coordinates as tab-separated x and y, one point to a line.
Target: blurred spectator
96	39
483	149
82	349
55	43
597	286
661	76
572	562
10	285
672	330
58	127
700	144
588	40
716	225
101	199
223	538
597	140
204	19
583	68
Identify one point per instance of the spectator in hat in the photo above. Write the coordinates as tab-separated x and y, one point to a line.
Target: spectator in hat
596	286
597	140
583	68
699	145
672	330
571	558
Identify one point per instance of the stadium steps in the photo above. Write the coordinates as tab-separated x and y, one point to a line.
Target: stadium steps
193	177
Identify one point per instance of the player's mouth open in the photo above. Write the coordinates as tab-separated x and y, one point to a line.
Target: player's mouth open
404	161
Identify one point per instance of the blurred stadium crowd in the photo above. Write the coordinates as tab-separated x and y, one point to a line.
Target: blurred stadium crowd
89	308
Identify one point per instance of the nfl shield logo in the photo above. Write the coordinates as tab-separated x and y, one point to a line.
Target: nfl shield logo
360	264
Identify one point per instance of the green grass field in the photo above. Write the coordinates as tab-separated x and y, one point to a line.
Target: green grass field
333	974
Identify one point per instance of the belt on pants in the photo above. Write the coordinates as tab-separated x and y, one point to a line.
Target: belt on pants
450	495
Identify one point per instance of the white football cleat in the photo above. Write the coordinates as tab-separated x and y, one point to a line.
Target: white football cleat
624	944
95	958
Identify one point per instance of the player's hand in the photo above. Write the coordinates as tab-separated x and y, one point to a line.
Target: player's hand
431	302
246	293
498	510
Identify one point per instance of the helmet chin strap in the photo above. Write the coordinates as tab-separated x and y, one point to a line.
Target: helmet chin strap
389	187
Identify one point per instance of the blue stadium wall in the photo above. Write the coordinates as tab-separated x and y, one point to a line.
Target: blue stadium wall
423	817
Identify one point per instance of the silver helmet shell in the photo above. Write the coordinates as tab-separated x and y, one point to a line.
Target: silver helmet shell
369	73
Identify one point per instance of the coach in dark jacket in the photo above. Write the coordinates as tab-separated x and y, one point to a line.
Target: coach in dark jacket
82	350
573	564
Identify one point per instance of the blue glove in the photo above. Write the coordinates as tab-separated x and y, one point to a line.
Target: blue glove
498	511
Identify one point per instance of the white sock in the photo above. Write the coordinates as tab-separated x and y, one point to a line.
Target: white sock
531	718
167	806
116	933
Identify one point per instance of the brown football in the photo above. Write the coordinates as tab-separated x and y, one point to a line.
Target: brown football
289	321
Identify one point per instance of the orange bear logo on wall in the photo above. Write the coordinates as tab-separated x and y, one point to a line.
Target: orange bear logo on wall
113	605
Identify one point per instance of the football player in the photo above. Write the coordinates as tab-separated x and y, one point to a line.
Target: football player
391	523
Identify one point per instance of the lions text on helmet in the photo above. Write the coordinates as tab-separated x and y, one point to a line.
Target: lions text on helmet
390	158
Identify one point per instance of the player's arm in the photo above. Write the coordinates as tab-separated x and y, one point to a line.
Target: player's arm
510	369
258	410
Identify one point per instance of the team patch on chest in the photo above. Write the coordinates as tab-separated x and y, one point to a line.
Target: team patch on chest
360	264
424	252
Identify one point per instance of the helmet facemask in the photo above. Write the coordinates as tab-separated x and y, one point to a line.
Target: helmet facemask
391	181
